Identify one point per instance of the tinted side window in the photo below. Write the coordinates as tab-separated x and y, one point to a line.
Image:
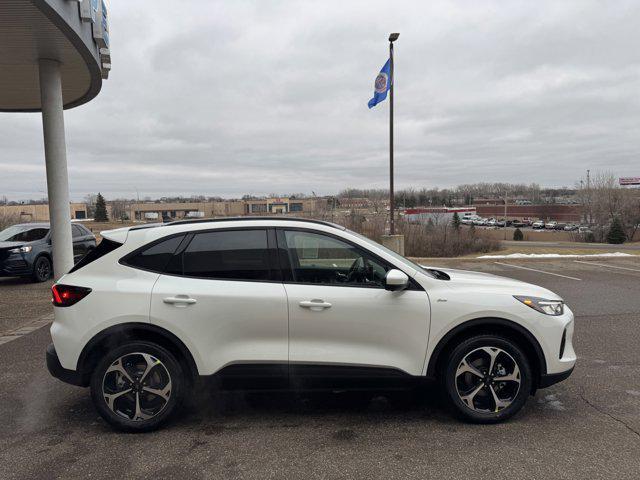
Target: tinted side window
233	255
76	231
321	259
157	256
30	235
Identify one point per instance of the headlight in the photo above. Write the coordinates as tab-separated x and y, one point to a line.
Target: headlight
542	305
26	249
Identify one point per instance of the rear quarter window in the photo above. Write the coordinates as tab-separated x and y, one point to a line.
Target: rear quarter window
156	256
104	247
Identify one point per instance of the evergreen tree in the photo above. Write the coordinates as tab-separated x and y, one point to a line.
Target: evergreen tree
456	221
430	225
101	210
517	235
616	232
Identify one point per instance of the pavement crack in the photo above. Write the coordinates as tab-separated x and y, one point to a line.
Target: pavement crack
613	417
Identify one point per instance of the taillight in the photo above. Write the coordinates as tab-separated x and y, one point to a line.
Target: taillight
67	295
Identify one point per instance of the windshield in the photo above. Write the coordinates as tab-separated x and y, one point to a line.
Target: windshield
395	255
23	233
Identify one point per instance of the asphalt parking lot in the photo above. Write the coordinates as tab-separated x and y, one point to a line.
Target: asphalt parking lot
586	427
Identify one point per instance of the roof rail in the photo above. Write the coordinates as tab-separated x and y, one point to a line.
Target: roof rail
236	219
147	225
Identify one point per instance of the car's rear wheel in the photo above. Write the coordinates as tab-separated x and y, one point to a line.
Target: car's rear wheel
487	378
137	386
42	269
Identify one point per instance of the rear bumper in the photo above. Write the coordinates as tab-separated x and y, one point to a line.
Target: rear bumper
57	370
552	378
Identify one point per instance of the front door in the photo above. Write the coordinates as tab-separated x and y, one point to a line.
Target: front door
340	314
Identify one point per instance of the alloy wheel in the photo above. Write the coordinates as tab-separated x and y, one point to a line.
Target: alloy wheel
487	379
44	269
137	386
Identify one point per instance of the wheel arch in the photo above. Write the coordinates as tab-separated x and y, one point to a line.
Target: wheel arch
115	335
497	326
43	253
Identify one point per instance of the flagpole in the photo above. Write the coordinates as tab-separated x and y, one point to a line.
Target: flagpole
392	229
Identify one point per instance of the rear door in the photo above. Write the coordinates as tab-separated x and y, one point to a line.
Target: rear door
222	296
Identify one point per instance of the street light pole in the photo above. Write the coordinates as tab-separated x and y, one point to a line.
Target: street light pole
392	230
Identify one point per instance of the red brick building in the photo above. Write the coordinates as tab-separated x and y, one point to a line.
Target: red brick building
561	213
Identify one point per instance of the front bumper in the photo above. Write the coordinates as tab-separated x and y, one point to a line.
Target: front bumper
15	267
552	378
57	370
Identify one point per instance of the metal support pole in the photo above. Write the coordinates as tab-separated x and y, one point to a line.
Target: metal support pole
505	215
55	154
392	228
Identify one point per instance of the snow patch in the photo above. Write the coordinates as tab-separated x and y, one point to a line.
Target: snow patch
557	255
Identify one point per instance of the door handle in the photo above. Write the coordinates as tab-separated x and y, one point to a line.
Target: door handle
315	304
179	300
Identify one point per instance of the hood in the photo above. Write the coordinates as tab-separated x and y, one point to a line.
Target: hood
9	245
493	283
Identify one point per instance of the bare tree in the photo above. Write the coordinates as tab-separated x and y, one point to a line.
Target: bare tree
8	218
119	210
603	200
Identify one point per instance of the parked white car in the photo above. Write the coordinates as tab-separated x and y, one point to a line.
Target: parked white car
537	225
551	225
292	303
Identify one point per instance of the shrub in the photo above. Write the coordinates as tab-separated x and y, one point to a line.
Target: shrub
616	232
442	241
517	235
8	219
420	239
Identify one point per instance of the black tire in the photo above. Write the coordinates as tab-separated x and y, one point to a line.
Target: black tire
42	269
511	395
157	408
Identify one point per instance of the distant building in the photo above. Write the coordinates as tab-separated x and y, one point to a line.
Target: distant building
354	203
157	211
283	205
40	212
437	215
561	213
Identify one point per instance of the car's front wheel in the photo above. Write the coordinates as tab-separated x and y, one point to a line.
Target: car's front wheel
487	378
137	386
42	269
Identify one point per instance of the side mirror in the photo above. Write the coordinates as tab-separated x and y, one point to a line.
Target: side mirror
396	280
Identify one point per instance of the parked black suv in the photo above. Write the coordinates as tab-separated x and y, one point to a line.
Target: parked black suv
25	249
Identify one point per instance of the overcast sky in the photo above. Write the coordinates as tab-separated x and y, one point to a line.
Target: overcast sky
236	97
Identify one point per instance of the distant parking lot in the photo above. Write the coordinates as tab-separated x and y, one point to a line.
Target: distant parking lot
586	427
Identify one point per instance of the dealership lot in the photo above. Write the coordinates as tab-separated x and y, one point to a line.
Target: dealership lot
585	427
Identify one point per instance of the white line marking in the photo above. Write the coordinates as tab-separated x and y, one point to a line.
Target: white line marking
608	266
20	332
539	271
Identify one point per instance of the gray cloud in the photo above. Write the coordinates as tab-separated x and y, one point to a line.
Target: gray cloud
227	98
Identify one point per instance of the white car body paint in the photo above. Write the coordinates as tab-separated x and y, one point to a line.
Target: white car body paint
234	322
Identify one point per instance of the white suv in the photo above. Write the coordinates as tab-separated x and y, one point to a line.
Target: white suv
291	303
